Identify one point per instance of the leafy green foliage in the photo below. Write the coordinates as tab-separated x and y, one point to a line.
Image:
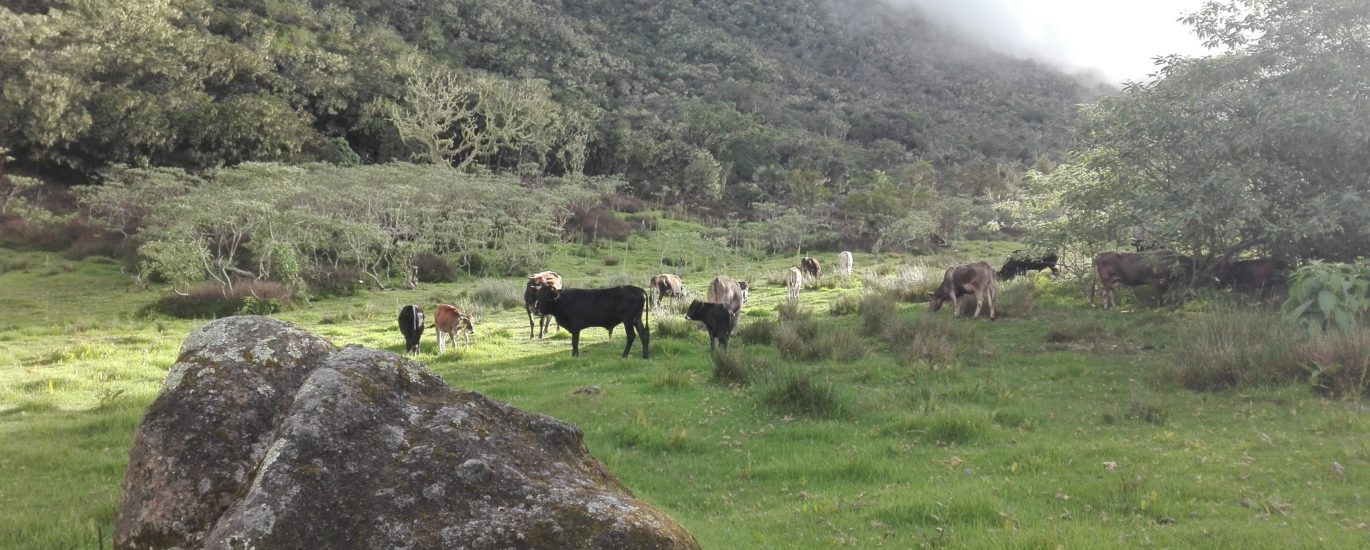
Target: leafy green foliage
1323	295
1259	149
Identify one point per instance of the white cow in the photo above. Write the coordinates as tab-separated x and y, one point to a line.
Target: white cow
844	263
793	280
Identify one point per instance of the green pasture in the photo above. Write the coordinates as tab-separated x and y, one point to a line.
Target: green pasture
1058	425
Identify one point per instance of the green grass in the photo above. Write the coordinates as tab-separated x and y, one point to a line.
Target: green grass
1065	427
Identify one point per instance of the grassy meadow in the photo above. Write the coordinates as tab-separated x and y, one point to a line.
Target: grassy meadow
851	420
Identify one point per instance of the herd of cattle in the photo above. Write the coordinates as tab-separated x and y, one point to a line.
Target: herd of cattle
578	309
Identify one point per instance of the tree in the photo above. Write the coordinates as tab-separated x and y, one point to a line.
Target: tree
1261	149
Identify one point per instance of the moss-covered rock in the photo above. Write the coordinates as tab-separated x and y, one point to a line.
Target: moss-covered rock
269	437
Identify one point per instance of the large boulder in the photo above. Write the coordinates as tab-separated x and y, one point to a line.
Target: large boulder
266	436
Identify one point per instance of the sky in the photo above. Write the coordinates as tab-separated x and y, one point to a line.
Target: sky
1116	39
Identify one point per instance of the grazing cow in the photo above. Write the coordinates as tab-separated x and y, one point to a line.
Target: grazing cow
959	280
716	318
793	281
530	292
411	326
667	285
577	309
1160	268
844	261
1254	275
451	321
1144	245
1020	262
810	267
938	241
730	293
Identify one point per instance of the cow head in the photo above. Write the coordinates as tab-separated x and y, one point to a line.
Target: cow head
696	311
936	299
470	323
546	296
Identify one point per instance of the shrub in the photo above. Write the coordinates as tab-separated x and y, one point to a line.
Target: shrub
674	327
642	222
333	281
877	312
760	331
846	304
792	392
846	345
1338	363
931	340
728	368
612	261
1224	349
434	268
800	340
1324	294
596	223
498	295
791	311
954	429
96	242
908	283
1016	298
209	300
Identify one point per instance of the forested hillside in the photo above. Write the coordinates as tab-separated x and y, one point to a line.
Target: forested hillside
707	101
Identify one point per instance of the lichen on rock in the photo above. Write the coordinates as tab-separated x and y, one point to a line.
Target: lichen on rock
266	436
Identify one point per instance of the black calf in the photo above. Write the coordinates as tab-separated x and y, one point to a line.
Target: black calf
1019	263
576	309
716	318
411	326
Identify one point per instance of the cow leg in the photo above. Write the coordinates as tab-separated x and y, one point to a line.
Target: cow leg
441	349
575	343
632	334
990	296
529	310
979	303
955	304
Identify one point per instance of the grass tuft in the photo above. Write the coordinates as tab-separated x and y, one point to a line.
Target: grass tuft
498	295
795	393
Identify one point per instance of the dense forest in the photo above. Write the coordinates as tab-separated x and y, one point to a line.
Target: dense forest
707	102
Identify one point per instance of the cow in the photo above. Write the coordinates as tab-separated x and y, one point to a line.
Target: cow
811	268
1020	262
530	291
959	280
411	326
793	281
844	263
1254	275
667	285
577	309
1160	268
451	321
716	318
730	293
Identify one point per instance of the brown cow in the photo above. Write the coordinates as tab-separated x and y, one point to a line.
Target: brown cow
959	280
1160	268
730	293
548	279
667	285
1254	275
810	267
451	320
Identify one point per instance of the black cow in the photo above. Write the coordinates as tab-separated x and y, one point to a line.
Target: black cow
411	326
1254	275
1143	245
716	318
1020	262
576	309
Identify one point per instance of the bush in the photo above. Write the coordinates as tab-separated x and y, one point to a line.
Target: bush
1338	363
909	283
1016	298
845	304
931	340
596	223
612	261
1225	349
498	295
433	268
1327	294
674	327
846	345
209	300
792	392
642	223
877	312
333	281
728	368
791	311
760	332
800	340
96	242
